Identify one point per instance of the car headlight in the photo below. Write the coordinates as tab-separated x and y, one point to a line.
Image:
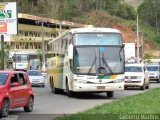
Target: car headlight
118	80
156	76
139	77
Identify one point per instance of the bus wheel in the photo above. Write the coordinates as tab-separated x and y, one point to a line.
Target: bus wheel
53	89
110	93
69	93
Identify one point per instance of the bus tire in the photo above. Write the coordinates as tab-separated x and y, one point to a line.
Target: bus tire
110	94
69	93
53	89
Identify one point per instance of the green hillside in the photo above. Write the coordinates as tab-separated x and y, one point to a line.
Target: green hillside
104	13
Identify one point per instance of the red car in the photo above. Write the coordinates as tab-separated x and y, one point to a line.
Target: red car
15	92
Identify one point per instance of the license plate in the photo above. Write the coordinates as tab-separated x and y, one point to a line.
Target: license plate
100	87
35	81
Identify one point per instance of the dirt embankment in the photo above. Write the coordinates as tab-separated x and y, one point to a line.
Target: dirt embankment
128	35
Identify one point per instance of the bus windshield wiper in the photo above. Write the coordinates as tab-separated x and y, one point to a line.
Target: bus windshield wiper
94	61
106	65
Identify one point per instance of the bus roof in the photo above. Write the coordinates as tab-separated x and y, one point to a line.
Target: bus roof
91	30
87	30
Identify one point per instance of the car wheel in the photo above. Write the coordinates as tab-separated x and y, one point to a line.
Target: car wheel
147	87
125	87
42	86
143	86
69	93
158	81
5	108
110	93
30	104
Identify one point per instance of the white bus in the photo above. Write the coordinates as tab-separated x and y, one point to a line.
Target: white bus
24	60
20	60
87	60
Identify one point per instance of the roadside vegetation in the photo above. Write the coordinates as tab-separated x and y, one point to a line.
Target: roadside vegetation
149	12
144	103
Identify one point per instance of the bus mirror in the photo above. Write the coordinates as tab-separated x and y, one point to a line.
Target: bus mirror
123	45
70	51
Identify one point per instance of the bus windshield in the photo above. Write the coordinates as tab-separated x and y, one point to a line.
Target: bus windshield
97	39
98	60
20	57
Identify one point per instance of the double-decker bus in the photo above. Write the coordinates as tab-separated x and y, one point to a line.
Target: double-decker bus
87	60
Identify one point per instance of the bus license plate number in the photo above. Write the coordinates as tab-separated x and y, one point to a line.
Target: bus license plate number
100	87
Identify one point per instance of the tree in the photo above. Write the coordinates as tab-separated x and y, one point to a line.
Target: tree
149	11
7	49
147	58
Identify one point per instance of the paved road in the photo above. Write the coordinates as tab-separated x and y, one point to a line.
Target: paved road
49	103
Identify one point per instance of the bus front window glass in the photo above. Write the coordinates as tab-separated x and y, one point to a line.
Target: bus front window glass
97	39
98	60
24	57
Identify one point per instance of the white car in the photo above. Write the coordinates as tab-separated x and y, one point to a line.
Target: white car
154	72
36	78
136	76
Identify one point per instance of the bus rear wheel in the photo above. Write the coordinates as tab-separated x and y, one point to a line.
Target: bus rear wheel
53	89
110	93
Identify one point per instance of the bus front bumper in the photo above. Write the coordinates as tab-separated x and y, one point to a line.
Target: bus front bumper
80	87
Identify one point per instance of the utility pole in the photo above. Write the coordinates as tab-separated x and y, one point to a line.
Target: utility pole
137	40
2	52
43	49
142	46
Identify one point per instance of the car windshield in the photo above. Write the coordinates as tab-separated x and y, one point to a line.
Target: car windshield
98	60
152	68
34	73
3	78
133	69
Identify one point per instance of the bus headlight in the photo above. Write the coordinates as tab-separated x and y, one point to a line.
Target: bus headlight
118	80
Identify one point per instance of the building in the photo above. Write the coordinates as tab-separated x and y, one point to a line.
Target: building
34	33
33	29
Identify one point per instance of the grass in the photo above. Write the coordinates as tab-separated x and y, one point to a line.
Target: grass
146	103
